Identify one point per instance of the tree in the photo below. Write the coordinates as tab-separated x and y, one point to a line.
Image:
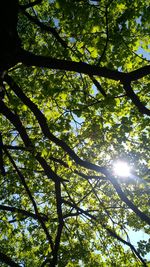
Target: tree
74	91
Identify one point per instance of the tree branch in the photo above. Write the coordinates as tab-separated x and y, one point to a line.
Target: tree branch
46	28
136	101
98	85
128	202
2	169
60	220
6	259
31	59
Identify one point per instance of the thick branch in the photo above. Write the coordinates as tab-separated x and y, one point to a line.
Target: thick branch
10	42
15	120
6	259
136	101
31	59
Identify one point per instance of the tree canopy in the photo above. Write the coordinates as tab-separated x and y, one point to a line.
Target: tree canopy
74	99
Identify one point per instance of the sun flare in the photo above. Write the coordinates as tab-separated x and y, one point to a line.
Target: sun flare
121	169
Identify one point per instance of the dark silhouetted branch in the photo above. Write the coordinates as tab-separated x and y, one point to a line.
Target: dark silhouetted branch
136	101
128	202
2	169
97	84
60	222
6	259
46	28
31	59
